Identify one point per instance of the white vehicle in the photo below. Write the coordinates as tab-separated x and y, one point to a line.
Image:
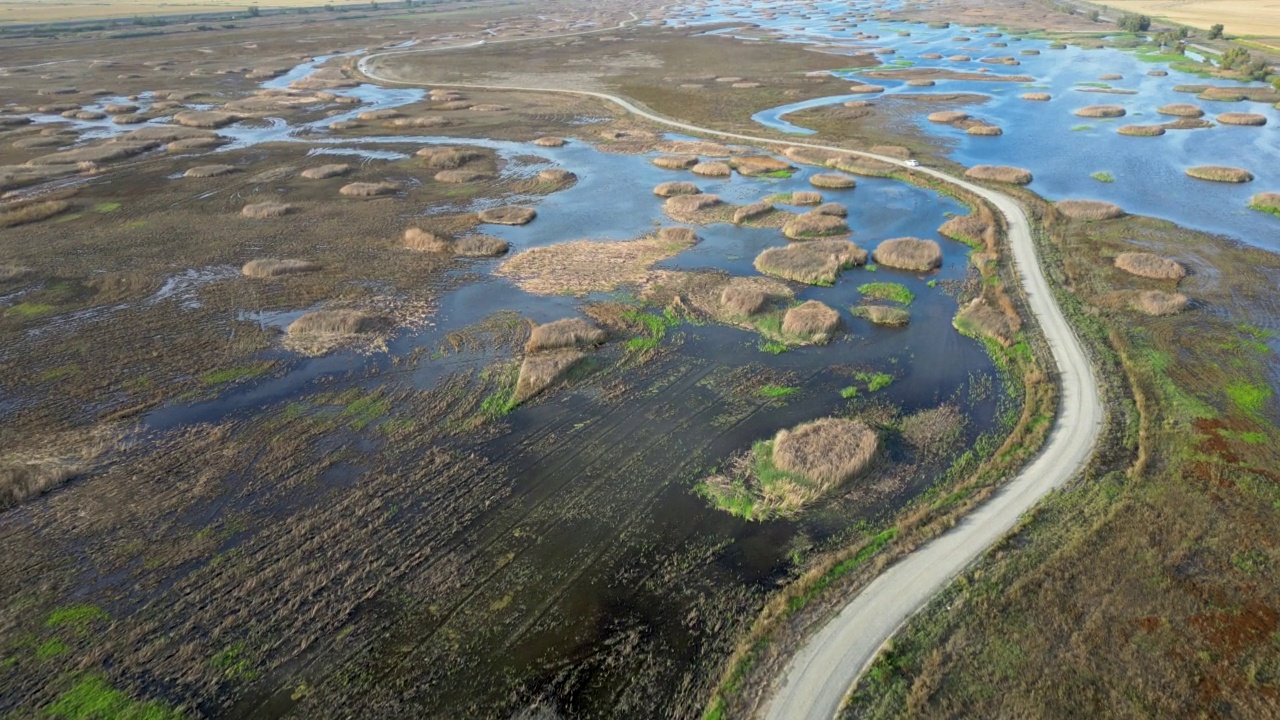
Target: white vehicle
913	163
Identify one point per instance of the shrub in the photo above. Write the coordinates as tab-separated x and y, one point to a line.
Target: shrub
208	171
752	211
909	254
811	321
1089	209
1149	265
368	189
1141	130
1218	173
743	300
1239	118
480	246
13	216
326	171
1156	302
834	181
826	452
1101	111
540	371
508	215
566	333
999	173
1186	110
266	210
337	322
1267	202
671	189
675	162
832	209
712	169
883	315
817	262
271	267
814	225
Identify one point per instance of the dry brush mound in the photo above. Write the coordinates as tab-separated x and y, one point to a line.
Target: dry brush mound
1239	118
999	173
272	267
426	241
826	452
743	300
586	266
883	315
676	162
1089	209
812	225
909	253
1220	173
29	212
326	171
672	189
1101	111
208	171
566	333
695	147
1156	302
984	130
369	189
867	167
422	121
1185	110
817	262
265	210
801	197
541	371
556	176
689	208
811	321
834	181
712	169
508	215
1150	265
1141	130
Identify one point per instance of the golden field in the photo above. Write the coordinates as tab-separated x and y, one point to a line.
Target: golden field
1240	17
38	11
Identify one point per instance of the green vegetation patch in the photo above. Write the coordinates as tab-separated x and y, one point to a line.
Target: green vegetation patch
28	310
1103	176
233	663
875	380
51	649
654	326
894	292
232	374
1249	397
106	207
777	391
76	617
93	699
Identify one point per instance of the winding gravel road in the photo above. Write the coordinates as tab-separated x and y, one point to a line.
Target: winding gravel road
822	672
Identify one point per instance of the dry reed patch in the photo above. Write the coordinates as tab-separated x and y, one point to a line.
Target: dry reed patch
983	129
208	171
480	246
921	82
743	300
21	481
508	215
805	197
384	114
13	273
865	89
451	158
894	151
1150	265
752	211
999	173
566	333
834	181
407	123
84	115
690	208
549	142
265	210
695	147
1089	209
1266	202
163	134
672	189
461	176
454	105
866	167
178	146
1036	96
1239	118
556	176
1101	111
811	321
272	267
1185	110
969	229
1141	130
38	142
817	262
345	125
947	117
1220	173
676	162
832	209
326	171
756	165
883	315
105	152
369	189
587	266
826	452
1157	302
712	169
541	371
206	118
13	216
908	253
979	318
813	156
426	241
338	322
1188	124
1111	76
815	225
719	297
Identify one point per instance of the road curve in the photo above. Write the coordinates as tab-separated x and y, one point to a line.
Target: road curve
822	672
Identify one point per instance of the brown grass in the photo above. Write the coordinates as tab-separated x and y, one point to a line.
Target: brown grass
686	208
337	322
815	225
832	208
13	273
585	266
1141	130
508	215
480	246
712	169
461	176
1239	118
833	181
549	142
969	229
743	300
271	267
817	262
31	212
208	171
1185	110
566	333
752	211
326	171
999	173
1156	302
1089	209
425	241
450	158
1037	96
1220	173
883	315
369	189
909	253
1150	265
541	371
826	452
811	321
264	210
672	189
676	162
1101	111
206	118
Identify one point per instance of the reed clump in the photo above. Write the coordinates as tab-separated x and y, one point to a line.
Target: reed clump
337	322
208	171
450	158
1037	96
480	246
1186	110
272	267
757	165
199	143
458	177
1240	118
883	315
815	225
947	117
743	300
712	169
687	208
832	208
805	197
550	141
834	181
1141	130
672	189
1150	265
826	452
811	321
369	189
1089	209
508	215
1158	302
1268	202
566	333
1220	173
676	162
326	171
15	215
817	262
999	173
263	210
908	253
206	118
752	211
1101	111
541	370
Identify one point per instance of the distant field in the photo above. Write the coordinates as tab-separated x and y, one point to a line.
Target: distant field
1240	17
30	11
